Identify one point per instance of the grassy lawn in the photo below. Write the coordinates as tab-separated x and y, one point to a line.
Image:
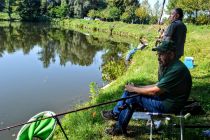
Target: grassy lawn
88	125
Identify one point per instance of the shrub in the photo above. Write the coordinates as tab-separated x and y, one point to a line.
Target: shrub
58	11
92	13
126	17
202	19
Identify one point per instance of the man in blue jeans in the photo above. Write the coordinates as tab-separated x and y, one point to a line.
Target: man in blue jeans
168	95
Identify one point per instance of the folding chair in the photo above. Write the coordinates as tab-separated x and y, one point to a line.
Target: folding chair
166	117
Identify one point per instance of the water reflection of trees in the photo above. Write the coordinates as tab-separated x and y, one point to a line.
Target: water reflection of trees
113	62
69	46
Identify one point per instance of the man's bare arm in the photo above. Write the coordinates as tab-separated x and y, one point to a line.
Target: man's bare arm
145	86
150	90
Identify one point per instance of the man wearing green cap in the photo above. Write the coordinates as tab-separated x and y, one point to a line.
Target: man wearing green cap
168	95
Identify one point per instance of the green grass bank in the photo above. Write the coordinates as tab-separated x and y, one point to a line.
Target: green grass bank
88	125
117	31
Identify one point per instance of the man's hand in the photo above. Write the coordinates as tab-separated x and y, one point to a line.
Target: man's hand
130	87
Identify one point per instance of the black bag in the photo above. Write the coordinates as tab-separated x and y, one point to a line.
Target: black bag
194	108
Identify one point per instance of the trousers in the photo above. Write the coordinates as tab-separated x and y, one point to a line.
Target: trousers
151	104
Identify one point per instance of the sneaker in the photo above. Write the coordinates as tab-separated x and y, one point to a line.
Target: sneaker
109	115
115	131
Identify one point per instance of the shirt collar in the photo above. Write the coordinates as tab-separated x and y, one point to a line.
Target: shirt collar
176	20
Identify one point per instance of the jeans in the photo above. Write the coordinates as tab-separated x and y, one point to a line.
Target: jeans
151	104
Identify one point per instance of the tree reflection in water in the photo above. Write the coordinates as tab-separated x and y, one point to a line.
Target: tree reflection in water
69	46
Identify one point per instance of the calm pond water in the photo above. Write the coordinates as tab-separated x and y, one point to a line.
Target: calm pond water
44	68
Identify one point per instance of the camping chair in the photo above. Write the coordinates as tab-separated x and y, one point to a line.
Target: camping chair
192	107
167	117
150	116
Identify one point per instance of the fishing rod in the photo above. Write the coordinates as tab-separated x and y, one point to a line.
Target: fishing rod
161	12
68	112
161	31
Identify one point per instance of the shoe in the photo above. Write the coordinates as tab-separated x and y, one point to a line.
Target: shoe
109	115
115	131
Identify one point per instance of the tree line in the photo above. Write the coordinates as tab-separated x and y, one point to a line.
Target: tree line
196	11
130	11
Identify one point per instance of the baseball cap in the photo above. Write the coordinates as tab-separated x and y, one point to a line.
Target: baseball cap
165	46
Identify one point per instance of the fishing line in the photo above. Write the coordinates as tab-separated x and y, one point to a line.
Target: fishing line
68	112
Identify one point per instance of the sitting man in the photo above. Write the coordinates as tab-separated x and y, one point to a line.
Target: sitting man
168	95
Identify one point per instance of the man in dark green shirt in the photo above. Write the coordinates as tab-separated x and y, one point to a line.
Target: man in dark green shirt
176	83
168	95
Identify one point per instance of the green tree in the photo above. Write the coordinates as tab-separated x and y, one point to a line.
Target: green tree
29	10
78	8
70	5
7	7
54	8
93	13
122	4
54	3
81	7
206	6
129	14
44	7
171	5
143	14
111	13
112	3
114	13
58	11
126	17
202	19
193	9
189	6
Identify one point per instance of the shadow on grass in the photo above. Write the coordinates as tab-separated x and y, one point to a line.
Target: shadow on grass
201	91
